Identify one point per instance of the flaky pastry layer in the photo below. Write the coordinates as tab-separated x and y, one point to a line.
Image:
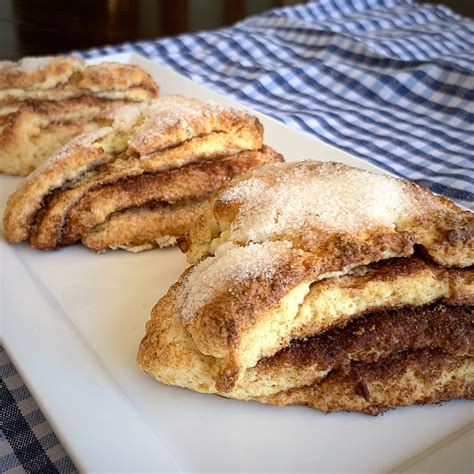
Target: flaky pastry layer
144	228
196	355
72	213
147	138
270	235
402	379
45	102
64	77
384	359
31	133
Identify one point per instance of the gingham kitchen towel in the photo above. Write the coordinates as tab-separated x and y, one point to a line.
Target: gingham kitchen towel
390	81
27	442
387	80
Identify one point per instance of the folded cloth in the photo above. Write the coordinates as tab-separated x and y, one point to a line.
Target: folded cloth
389	81
27	442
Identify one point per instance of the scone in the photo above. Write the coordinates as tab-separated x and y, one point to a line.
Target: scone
140	181
44	102
321	284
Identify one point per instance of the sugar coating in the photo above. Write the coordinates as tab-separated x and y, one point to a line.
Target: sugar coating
287	198
84	140
231	267
125	117
6	65
175	112
143	121
32	64
28	65
146	120
81	141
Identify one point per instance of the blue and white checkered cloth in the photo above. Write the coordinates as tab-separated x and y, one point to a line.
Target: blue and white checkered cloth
27	442
387	80
390	81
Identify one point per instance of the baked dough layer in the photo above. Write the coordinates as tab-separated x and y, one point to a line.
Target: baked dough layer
290	255
56	78
154	210
335	211
152	159
400	380
45	102
72	213
274	232
172	353
381	360
143	228
30	132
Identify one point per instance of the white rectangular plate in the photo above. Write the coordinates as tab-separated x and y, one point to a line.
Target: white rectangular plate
72	322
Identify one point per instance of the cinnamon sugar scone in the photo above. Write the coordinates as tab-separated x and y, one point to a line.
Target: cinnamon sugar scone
291	251
171	153
44	102
300	223
370	338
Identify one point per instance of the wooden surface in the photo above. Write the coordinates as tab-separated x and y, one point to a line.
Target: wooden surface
36	27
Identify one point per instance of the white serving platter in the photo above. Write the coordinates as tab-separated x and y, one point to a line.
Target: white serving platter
72	321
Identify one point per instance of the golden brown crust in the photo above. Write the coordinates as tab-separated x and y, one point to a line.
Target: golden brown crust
307	251
30	132
48	234
27	200
327	219
182	119
40	73
192	182
110	80
399	380
60	78
333	208
189	362
64	222
167	353
242	321
143	228
46	102
133	128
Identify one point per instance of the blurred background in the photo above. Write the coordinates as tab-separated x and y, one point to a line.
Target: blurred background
36	27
